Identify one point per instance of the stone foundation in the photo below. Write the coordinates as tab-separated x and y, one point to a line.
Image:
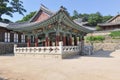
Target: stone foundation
105	46
69	55
7	48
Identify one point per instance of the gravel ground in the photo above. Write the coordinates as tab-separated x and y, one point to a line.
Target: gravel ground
103	65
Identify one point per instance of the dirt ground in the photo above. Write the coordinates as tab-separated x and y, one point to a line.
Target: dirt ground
103	65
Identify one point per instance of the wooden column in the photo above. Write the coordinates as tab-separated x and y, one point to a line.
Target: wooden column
82	43
70	40
79	39
28	40
50	43
64	39
83	40
57	39
43	43
36	40
46	40
75	40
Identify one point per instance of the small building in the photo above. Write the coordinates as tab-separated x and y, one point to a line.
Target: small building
112	24
45	30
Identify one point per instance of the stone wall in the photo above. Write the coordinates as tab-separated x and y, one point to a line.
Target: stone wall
108	44
7	48
105	46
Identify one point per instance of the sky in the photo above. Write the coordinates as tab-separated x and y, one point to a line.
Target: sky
105	7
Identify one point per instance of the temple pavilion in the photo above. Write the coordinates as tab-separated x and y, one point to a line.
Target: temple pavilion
49	28
111	24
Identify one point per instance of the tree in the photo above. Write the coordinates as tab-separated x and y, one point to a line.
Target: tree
27	17
94	19
84	17
8	7
106	18
75	15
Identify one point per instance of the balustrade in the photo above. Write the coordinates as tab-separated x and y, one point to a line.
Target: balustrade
61	50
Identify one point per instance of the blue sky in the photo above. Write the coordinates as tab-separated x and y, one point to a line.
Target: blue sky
105	7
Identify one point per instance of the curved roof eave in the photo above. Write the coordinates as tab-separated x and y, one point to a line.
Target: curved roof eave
29	26
79	27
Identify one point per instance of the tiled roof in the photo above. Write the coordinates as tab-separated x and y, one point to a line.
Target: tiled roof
112	18
82	24
44	9
3	24
109	24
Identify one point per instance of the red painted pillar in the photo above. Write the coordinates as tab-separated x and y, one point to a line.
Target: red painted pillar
64	40
28	41
43	43
36	42
70	41
46	40
50	43
57	40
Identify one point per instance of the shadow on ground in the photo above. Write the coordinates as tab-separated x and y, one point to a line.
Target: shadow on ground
102	54
11	54
3	79
74	57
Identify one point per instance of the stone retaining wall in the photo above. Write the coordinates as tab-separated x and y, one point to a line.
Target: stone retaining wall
106	46
7	48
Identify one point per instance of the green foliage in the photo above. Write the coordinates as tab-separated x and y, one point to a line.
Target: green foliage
95	38
84	17
75	15
115	34
8	7
105	18
27	17
93	18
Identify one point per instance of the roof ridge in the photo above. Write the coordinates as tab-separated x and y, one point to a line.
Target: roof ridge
45	9
112	18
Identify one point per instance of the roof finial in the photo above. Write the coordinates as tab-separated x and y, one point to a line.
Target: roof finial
62	7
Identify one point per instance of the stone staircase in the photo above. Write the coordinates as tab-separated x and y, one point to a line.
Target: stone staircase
87	50
117	48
